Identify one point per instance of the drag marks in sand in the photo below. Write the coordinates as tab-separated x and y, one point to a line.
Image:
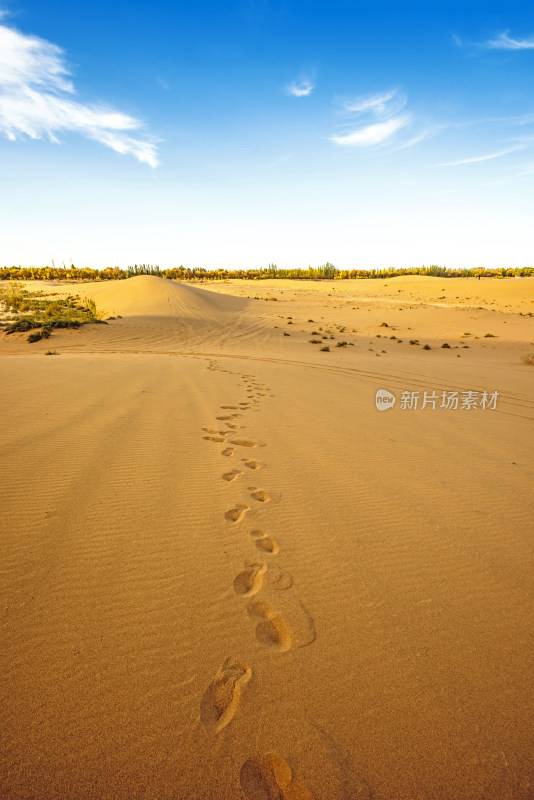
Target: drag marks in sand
268	776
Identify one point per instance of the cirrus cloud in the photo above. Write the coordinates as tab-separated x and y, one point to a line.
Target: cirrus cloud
37	99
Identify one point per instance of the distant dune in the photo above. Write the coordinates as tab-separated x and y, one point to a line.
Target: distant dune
226	574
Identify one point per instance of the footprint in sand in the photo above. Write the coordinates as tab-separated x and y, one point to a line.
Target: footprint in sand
233	408
221	698
233	426
236	514
228	451
231	476
269	777
250	581
248	462
210	430
272	631
265	542
243	443
228	416
259	494
214	438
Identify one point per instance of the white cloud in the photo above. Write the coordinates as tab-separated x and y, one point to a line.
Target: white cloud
300	89
378	117
373	134
486	157
380	104
505	42
36	100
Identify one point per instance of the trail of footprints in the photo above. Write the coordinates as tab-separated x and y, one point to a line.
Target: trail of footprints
267	777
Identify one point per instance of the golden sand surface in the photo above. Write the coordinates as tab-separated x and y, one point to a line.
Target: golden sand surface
225	574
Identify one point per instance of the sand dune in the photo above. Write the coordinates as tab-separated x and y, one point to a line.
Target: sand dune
226	574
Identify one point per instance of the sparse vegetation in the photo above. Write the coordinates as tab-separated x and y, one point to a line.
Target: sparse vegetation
341	344
325	349
489	336
426	347
41	312
446	346
414	341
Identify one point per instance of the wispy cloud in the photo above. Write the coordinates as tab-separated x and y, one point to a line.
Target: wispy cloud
37	100
372	134
301	88
373	119
505	42
486	157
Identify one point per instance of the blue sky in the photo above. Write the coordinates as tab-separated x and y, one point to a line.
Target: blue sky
245	132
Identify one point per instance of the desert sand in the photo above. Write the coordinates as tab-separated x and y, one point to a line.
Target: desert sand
225	574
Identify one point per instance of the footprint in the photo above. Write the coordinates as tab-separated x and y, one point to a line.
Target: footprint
250	581
233	426
233	408
272	630
265	542
269	777
243	443
231	476
221	698
228	451
210	430
214	438
228	416
260	495
236	514
248	462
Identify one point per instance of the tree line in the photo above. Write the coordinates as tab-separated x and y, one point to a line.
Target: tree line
325	272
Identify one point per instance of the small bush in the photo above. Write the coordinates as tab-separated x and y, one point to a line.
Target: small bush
51	353
310	320
21	325
314	341
34	337
287	334
384	325
341	344
427	347
414	341
489	336
528	359
446	346
325	349
315	333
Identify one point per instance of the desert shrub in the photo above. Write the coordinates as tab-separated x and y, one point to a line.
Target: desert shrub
426	347
489	336
314	341
51	353
325	349
384	325
414	341
341	344
21	325
34	337
287	334
446	346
